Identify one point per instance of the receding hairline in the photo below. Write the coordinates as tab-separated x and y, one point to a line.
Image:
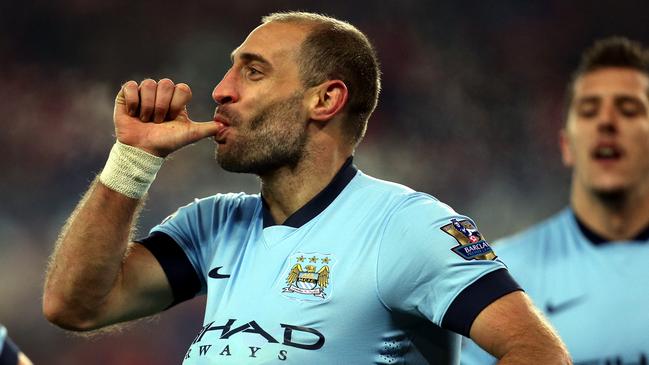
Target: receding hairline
305	18
336	49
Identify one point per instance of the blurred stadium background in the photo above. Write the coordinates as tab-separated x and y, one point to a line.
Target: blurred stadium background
470	109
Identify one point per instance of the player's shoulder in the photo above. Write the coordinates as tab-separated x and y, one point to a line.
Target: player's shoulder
401	197
227	200
372	185
403	204
219	206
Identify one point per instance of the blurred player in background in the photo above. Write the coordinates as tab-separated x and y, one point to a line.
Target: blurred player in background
10	354
327	265
586	266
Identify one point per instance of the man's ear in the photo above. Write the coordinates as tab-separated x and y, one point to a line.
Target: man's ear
329	99
566	150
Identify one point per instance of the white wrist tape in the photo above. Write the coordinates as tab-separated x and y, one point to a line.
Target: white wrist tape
129	170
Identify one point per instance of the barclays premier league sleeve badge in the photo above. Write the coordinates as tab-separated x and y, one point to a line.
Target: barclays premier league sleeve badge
308	277
472	246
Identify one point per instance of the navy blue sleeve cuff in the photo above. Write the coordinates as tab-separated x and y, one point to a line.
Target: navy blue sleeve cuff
473	299
9	355
180	272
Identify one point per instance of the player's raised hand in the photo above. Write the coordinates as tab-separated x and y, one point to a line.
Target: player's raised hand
153	116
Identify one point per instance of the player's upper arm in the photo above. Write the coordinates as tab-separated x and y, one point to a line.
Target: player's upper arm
142	289
511	326
156	275
434	263
167	267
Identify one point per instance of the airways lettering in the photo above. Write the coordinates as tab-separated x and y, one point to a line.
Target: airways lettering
204	349
253	350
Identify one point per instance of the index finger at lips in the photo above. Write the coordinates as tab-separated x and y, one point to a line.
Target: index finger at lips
182	95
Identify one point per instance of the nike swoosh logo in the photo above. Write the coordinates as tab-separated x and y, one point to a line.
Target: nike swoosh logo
214	273
553	308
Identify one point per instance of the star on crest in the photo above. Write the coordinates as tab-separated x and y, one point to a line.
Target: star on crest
301	259
313	259
325	260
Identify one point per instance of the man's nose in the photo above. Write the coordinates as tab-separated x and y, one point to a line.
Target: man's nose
226	91
608	119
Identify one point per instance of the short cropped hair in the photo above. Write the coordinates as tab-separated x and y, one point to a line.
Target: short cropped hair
336	50
609	52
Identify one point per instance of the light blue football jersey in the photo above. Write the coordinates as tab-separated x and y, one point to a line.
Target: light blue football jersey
368	272
594	292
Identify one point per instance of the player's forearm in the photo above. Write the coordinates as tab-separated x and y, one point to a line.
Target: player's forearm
85	267
514	331
552	355
540	345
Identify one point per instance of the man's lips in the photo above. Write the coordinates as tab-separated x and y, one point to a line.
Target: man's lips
607	152
223	124
219	119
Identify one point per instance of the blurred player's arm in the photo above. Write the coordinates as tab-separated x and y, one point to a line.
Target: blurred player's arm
23	359
512	330
10	354
97	276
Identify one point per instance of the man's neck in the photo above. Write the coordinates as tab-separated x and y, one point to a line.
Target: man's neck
616	217
286	190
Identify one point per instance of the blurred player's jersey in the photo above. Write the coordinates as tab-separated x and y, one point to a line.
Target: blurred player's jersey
368	272
8	350
594	292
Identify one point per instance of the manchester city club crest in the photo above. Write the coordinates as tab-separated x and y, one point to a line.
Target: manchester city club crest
308	277
472	245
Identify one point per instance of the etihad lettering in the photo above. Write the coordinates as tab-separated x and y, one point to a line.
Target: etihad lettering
250	327
227	331
300	337
288	332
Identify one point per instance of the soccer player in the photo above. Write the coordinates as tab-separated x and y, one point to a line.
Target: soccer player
327	265
586	266
10	354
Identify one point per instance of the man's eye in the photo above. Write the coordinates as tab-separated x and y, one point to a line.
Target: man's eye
630	108
587	110
253	73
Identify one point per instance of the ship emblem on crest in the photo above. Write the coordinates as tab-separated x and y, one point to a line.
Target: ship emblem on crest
308	277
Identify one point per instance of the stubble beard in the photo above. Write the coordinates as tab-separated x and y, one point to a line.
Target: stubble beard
274	138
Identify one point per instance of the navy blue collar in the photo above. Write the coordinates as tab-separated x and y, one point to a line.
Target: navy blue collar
597	240
319	202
